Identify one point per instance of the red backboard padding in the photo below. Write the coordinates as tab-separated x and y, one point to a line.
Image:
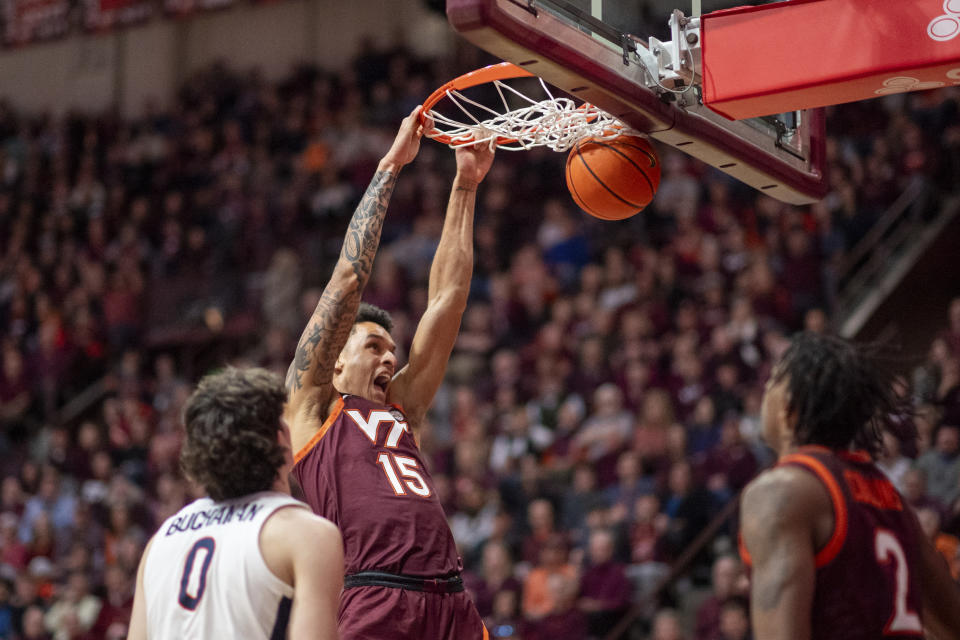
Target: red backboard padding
812	53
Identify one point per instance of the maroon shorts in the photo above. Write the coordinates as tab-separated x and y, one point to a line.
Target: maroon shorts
386	613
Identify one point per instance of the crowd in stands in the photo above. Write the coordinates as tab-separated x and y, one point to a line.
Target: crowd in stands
602	402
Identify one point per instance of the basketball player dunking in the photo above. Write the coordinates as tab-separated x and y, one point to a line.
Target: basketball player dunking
354	420
834	550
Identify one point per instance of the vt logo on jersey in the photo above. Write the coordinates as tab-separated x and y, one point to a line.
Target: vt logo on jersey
371	425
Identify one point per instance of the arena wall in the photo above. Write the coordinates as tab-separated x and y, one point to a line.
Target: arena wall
128	67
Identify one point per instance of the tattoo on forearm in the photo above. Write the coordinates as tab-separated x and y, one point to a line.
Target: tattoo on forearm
363	234
330	325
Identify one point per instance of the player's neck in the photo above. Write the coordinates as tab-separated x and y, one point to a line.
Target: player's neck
812	446
282	483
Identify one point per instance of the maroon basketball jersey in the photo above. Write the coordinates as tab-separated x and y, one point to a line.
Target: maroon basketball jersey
364	472
867	585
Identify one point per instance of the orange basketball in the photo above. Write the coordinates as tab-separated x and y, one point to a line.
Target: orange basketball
613	179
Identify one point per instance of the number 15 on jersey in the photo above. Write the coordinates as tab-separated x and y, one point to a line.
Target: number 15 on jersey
408	470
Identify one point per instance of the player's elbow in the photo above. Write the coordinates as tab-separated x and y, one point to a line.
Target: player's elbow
452	299
345	278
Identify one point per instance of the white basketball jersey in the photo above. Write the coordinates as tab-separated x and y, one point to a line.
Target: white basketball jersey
205	577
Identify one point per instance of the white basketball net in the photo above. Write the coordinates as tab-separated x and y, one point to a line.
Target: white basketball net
555	123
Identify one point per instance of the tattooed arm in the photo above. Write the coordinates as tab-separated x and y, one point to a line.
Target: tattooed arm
779	516
310	376
414	386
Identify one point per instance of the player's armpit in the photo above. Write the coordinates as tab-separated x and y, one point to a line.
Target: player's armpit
415	385
777	518
138	619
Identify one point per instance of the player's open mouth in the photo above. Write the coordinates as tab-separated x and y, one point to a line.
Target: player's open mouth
381	382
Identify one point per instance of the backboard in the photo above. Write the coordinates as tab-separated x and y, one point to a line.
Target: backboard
600	51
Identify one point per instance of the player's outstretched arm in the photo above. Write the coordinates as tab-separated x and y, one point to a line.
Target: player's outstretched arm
309	378
314	568
138	618
776	521
941	595
415	385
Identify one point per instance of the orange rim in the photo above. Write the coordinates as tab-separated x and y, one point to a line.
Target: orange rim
492	73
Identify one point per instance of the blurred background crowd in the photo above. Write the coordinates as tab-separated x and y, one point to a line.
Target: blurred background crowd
602	403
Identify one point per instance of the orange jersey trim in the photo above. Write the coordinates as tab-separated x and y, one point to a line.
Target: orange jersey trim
486	634
856	456
826	555
337	408
744	554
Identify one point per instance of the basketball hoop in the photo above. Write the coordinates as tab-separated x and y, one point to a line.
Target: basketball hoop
552	122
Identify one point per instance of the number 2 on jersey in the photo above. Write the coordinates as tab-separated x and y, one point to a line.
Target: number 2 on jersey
408	469
187	601
889	549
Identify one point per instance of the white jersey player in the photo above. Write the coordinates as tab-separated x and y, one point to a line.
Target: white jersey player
249	561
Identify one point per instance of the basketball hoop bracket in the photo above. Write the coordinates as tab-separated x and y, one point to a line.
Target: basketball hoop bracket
656	87
677	61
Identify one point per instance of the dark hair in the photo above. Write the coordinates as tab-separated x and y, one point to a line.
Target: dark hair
372	313
232	420
840	394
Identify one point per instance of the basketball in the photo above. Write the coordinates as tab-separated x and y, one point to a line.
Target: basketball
613	179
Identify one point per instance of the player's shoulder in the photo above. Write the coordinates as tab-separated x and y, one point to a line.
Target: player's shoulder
295	521
785	493
294	540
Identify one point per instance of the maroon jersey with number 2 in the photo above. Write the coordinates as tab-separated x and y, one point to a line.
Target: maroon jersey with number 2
364	472
867	582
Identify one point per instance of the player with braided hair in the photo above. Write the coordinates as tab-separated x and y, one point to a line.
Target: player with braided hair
834	550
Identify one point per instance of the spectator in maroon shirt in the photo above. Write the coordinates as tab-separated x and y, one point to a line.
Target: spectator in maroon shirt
12	551
689	384
734	620
15	393
496	576
121	307
117	603
11	495
727	578
730	465
541	520
801	271
604	587
591	369
647	530
650	437
50	361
